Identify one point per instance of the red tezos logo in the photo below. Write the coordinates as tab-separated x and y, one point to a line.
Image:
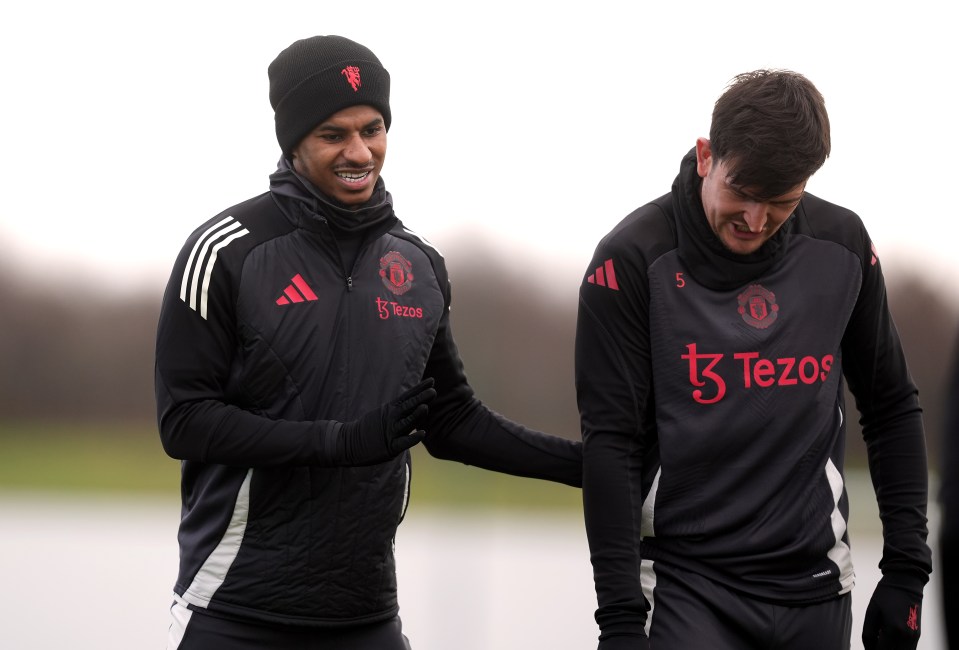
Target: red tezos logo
751	371
396	273
387	308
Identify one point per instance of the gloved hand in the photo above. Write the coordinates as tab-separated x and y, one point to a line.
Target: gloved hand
892	619
384	432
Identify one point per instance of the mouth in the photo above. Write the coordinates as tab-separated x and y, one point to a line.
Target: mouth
354	177
744	236
743	229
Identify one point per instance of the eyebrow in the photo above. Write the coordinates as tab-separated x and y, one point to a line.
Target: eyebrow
787	201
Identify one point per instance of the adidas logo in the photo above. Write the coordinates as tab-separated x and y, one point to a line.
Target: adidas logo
604	276
298	291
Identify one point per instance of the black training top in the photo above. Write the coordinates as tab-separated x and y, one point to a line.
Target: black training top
271	332
711	392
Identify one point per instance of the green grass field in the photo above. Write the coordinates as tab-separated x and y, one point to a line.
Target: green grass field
129	459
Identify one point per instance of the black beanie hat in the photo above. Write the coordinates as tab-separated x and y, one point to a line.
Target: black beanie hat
316	77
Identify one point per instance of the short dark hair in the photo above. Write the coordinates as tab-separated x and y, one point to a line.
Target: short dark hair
772	129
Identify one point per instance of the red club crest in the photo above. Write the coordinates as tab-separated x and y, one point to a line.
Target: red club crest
912	622
758	307
352	74
396	272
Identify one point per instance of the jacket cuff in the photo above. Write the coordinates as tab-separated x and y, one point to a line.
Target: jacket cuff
911	581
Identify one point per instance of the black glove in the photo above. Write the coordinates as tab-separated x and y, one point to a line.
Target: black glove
386	431
892	619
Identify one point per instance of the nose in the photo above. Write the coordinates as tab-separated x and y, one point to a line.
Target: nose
357	152
755	216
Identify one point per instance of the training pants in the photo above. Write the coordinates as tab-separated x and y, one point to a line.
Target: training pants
690	612
200	630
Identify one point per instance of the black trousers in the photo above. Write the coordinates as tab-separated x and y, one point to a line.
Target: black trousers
690	612
199	630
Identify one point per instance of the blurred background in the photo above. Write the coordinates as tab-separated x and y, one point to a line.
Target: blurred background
522	133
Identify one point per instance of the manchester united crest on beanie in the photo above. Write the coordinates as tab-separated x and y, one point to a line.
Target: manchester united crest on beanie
316	77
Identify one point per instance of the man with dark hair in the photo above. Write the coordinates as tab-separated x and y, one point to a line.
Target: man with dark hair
303	348
717	327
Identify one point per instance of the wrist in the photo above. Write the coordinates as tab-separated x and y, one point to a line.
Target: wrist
905	581
624	642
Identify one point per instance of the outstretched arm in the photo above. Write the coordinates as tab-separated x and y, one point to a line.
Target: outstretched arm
461	428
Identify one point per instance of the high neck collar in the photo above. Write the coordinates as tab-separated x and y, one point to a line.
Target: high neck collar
707	259
342	218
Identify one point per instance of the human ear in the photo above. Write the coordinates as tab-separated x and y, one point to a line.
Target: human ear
704	157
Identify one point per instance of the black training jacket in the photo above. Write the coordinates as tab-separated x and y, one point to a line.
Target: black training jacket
949	505
711	386
266	340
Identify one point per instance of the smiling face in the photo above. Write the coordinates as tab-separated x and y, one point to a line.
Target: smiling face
742	220
344	154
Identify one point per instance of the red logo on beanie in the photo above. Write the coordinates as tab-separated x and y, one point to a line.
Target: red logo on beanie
352	74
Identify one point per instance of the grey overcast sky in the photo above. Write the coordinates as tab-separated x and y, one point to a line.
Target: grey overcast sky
541	124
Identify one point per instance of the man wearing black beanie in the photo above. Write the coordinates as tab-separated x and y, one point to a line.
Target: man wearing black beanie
303	348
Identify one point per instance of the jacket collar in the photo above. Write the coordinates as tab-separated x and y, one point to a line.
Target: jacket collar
706	258
309	208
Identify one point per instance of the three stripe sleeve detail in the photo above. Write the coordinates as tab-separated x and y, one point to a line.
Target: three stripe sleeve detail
195	285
